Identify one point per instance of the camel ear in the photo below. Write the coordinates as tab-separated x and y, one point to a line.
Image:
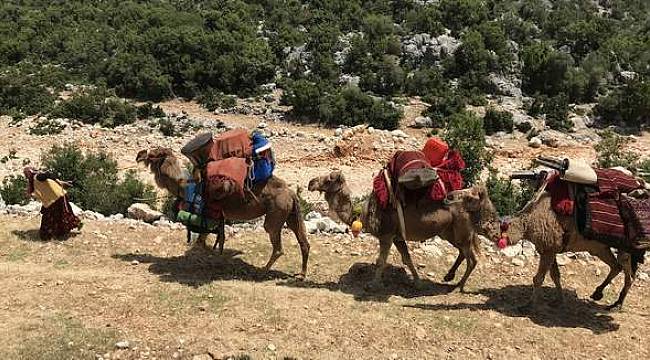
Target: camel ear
142	155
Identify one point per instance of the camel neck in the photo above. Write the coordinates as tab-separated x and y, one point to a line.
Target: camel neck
340	204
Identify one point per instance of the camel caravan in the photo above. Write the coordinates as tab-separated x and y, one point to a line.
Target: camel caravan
416	196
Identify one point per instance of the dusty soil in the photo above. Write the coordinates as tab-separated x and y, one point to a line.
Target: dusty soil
117	283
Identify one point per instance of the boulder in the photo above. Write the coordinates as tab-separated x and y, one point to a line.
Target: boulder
535	142
143	212
422	122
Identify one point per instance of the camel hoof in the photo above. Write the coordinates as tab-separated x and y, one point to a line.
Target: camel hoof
300	276
597	295
615	307
449	277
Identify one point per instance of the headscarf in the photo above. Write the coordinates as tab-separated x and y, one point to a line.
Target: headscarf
30	173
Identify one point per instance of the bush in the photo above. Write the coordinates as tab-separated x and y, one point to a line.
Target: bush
97	106
524	127
443	106
213	100
96	184
611	151
304	97
629	104
148	111
465	133
425	81
350	106
14	190
305	206
507	196
46	127
545	70
557	112
22	95
495	121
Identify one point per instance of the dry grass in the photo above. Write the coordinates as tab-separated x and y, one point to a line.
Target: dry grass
76	299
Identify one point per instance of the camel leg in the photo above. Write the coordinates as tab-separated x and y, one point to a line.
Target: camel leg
385	243
545	262
200	241
221	236
605	254
555	276
406	259
273	226
469	254
451	274
624	260
297	225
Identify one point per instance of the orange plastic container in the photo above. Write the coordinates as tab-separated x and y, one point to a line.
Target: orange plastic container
435	150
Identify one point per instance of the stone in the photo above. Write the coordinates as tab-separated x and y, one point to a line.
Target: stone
399	134
75	209
313	215
262	125
271	347
422	122
122	344
338	132
562	259
143	212
512	251
535	142
431	249
643	276
518	262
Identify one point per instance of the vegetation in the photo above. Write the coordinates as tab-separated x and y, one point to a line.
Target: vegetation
96	184
507	196
14	190
612	152
495	121
46	127
206	48
465	132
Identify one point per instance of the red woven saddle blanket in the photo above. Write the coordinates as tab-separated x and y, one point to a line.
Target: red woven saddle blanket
448	177
606	214
226	177
232	143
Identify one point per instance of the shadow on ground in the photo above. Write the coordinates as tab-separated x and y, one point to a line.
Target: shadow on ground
199	266
34	236
574	313
396	283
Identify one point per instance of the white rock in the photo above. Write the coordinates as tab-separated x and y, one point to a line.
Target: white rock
313	215
262	125
512	251
643	276
271	347
76	209
338	132
422	122
535	142
311	227
399	134
143	212
122	344
518	262
562	259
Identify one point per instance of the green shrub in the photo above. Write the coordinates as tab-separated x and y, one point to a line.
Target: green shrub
443	106
304	97
14	190
149	111
166	127
213	100
465	133
629	104
524	127
22	95
425	81
96	184
47	127
507	196
556	109
305	206
495	121
97	106
612	151
350	106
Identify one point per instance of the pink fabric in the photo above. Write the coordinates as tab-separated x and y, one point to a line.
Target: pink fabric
380	189
450	178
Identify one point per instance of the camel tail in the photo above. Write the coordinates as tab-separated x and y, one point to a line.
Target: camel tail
638	257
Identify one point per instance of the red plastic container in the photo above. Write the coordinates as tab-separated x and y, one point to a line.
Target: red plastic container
435	150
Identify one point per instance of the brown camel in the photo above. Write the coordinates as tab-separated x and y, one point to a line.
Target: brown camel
457	222
539	224
273	199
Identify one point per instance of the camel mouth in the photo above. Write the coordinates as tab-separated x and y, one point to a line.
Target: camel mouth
142	156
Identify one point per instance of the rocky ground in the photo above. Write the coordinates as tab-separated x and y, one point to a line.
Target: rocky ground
126	289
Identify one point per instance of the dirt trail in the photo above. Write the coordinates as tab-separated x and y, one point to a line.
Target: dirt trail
115	282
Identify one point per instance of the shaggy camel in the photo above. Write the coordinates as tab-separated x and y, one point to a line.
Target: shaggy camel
272	198
457	222
539	224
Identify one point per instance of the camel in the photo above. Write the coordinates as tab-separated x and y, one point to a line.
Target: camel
538	223
457	222
274	199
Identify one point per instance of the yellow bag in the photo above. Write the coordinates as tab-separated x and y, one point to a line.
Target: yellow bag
48	191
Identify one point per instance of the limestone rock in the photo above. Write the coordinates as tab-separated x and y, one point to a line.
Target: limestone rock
143	212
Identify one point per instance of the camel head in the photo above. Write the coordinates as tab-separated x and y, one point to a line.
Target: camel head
478	203
166	167
331	183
